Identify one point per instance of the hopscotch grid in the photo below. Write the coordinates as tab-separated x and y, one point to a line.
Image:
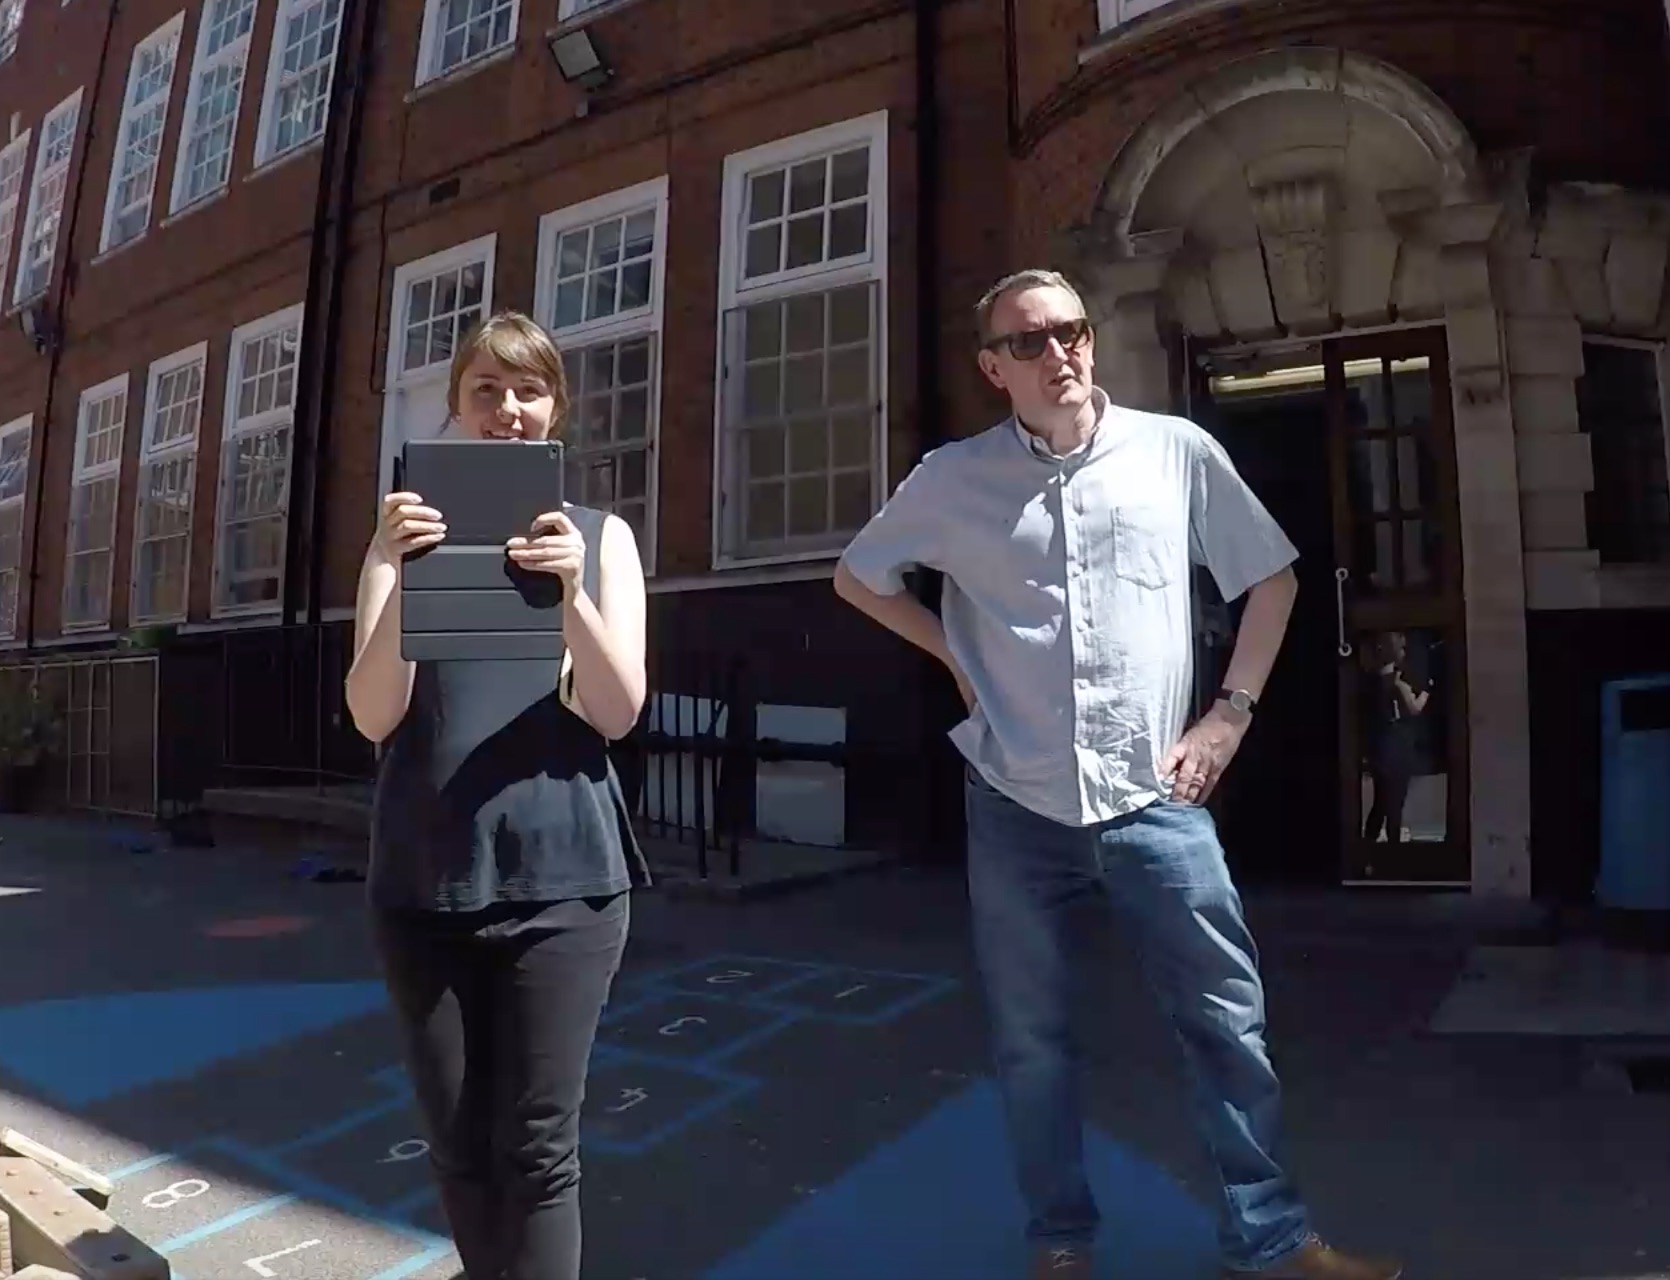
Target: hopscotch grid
336	1128
690	1116
322	1192
226	1222
671	985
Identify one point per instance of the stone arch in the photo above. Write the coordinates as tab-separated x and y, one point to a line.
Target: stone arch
1427	123
1295	192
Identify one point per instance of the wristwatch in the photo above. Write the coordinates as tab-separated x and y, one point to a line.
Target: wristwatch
1240	699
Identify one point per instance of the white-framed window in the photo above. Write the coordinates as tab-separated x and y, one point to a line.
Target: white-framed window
11	22
15	439
95	481
252	516
599	292
458	32
1623	406
801	415
298	92
167	482
46	199
203	166
1116	13
133	171
574	8
437	301
14	160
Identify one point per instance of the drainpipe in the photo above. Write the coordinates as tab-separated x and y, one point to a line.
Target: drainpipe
319	357
938	708
58	309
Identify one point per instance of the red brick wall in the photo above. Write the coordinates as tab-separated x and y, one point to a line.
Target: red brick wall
187	280
696	80
1582	82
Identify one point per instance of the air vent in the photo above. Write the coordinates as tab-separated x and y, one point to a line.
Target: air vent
443	191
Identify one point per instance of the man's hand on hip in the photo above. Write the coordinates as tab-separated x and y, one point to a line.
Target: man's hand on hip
1201	756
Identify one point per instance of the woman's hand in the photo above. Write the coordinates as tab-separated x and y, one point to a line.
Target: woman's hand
555	546
407	526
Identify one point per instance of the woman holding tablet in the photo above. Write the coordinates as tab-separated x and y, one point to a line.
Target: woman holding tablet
502	853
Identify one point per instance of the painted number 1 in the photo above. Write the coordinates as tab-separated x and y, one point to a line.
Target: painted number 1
851	991
259	1265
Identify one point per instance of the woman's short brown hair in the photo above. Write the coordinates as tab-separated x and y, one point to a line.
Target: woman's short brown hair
517	342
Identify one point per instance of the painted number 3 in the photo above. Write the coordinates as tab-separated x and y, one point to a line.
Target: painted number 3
171	1195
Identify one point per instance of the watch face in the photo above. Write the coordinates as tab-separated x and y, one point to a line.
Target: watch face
1240	701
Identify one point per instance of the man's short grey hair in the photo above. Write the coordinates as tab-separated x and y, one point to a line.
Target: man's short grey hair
1031	278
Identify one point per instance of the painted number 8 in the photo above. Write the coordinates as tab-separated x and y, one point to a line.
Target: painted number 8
171	1195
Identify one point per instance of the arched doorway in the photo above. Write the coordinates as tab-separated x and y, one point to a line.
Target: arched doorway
1296	252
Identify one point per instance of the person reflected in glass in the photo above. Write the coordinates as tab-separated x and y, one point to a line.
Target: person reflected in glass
1395	699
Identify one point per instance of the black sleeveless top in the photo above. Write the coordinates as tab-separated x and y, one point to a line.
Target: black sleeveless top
491	791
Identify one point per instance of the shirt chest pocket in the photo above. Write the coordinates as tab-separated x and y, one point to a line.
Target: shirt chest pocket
1147	545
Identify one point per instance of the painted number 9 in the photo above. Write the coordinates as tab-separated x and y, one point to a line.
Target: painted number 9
171	1195
410	1149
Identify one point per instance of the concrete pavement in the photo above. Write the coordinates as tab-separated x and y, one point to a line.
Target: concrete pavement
787	1087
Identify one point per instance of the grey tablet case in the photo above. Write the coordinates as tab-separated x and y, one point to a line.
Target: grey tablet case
465	598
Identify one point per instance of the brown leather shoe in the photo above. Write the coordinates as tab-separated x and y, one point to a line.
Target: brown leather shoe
1316	1261
1061	1262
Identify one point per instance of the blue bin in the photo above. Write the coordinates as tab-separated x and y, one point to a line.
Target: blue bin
1635	794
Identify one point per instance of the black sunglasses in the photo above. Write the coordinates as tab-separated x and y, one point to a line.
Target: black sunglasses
1029	344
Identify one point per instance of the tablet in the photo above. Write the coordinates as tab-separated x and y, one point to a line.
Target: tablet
465	598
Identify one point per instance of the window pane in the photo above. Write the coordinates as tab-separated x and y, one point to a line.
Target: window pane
805	241
850	174
765	196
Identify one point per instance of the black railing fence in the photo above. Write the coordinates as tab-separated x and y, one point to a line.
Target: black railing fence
264	708
258	708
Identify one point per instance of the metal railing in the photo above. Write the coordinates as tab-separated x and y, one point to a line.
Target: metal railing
259	708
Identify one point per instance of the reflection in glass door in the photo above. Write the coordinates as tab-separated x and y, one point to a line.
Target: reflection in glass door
1399	605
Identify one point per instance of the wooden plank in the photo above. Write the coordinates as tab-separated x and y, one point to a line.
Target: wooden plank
52	1226
94	1187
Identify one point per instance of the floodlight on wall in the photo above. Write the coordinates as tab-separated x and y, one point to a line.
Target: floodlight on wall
578	59
37	327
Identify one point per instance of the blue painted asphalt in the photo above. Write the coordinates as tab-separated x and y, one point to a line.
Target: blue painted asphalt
939	1203
81	1051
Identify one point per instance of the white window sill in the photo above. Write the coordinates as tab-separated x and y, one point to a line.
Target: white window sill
1145	24
202	202
463	71
116	251
88	636
236	619
723	563
271	164
569	21
764	575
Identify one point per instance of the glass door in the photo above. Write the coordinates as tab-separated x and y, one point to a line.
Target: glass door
1398	604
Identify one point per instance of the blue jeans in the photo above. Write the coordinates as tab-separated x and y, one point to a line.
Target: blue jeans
1165	873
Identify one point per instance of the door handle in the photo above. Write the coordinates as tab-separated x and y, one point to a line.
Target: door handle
1340	575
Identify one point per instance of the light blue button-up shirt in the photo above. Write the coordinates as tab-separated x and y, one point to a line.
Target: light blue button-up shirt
1067	596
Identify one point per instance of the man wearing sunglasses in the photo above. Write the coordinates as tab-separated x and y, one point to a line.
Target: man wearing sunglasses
1066	535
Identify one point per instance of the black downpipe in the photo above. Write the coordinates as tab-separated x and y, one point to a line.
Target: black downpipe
58	326
319	357
940	704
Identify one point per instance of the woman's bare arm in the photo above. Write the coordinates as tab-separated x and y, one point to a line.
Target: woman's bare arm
379	684
606	636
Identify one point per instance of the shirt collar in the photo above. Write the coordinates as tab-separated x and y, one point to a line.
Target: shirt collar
1039	449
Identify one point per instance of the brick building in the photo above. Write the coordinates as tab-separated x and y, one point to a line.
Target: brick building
1408	261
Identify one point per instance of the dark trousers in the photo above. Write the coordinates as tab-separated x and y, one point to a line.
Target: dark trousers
498	1010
